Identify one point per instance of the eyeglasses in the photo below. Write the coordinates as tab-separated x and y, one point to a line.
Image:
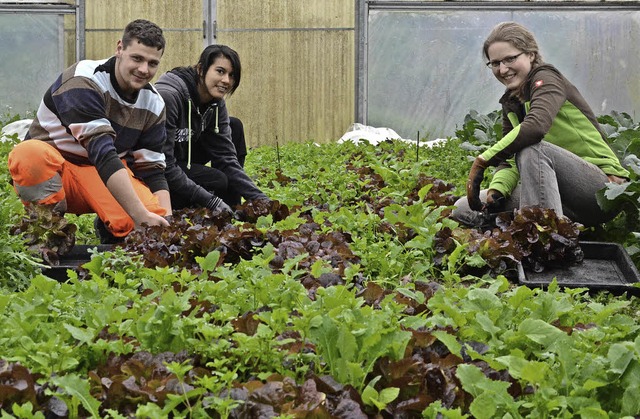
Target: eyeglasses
506	61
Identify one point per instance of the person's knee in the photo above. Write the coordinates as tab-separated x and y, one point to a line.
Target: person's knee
26	154
236	124
532	155
35	169
237	137
216	182
526	154
35	156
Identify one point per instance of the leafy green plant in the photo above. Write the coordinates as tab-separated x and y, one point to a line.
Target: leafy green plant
479	131
351	336
379	399
351	294
18	264
624	138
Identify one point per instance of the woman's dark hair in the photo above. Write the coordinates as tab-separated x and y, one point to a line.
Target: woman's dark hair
210	54
148	33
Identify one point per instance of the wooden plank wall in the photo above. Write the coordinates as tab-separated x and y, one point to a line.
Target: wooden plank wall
298	58
298	62
180	20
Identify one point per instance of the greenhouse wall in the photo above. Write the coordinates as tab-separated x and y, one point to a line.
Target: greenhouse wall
420	67
298	57
38	40
298	67
311	69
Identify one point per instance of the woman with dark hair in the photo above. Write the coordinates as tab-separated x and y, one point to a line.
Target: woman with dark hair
553	153
205	148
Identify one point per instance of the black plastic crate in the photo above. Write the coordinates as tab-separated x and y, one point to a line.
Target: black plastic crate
606	266
78	256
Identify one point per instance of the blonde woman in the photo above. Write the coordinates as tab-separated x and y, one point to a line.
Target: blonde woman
553	153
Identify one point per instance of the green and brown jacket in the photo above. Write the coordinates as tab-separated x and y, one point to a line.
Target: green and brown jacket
553	110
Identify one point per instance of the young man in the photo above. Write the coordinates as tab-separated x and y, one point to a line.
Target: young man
95	145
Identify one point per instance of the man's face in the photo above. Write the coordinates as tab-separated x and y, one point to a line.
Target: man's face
136	65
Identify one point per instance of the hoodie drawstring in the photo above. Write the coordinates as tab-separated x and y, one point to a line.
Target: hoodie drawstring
189	138
216	129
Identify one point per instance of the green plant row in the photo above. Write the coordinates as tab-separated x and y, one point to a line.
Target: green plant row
400	329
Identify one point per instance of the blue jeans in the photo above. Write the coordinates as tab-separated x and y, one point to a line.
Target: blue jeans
550	177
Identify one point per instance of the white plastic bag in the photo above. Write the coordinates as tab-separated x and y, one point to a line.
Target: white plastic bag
360	132
20	127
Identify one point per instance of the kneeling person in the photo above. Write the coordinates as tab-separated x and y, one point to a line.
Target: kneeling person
95	145
205	148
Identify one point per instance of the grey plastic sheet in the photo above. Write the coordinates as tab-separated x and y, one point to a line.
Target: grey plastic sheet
31	57
425	69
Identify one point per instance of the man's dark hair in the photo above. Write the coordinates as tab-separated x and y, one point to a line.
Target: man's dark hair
146	32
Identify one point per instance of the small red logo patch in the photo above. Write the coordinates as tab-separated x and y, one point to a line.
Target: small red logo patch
539	83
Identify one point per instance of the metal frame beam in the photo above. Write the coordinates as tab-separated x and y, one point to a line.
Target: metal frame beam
501	5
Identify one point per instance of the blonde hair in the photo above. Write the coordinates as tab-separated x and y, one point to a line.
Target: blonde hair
521	38
518	36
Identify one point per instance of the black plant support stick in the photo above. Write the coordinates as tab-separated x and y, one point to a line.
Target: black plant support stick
278	153
418	147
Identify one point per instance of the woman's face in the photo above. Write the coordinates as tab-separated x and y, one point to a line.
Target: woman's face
509	64
218	80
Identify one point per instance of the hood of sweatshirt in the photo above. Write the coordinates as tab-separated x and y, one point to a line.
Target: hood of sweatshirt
199	116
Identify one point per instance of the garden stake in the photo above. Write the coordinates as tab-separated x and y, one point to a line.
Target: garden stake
278	153
417	147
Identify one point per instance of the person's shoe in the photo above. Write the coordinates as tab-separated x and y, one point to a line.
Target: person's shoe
104	234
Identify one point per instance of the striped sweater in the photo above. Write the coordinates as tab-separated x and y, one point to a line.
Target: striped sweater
84	116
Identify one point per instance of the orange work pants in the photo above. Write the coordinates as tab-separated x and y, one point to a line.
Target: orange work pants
42	176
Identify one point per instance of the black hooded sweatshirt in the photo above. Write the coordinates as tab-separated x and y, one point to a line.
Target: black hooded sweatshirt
207	140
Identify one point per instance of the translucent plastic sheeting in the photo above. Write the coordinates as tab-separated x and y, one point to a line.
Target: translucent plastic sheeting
425	69
31	57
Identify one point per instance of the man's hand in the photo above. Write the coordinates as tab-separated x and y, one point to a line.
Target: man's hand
120	186
476	174
151	219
